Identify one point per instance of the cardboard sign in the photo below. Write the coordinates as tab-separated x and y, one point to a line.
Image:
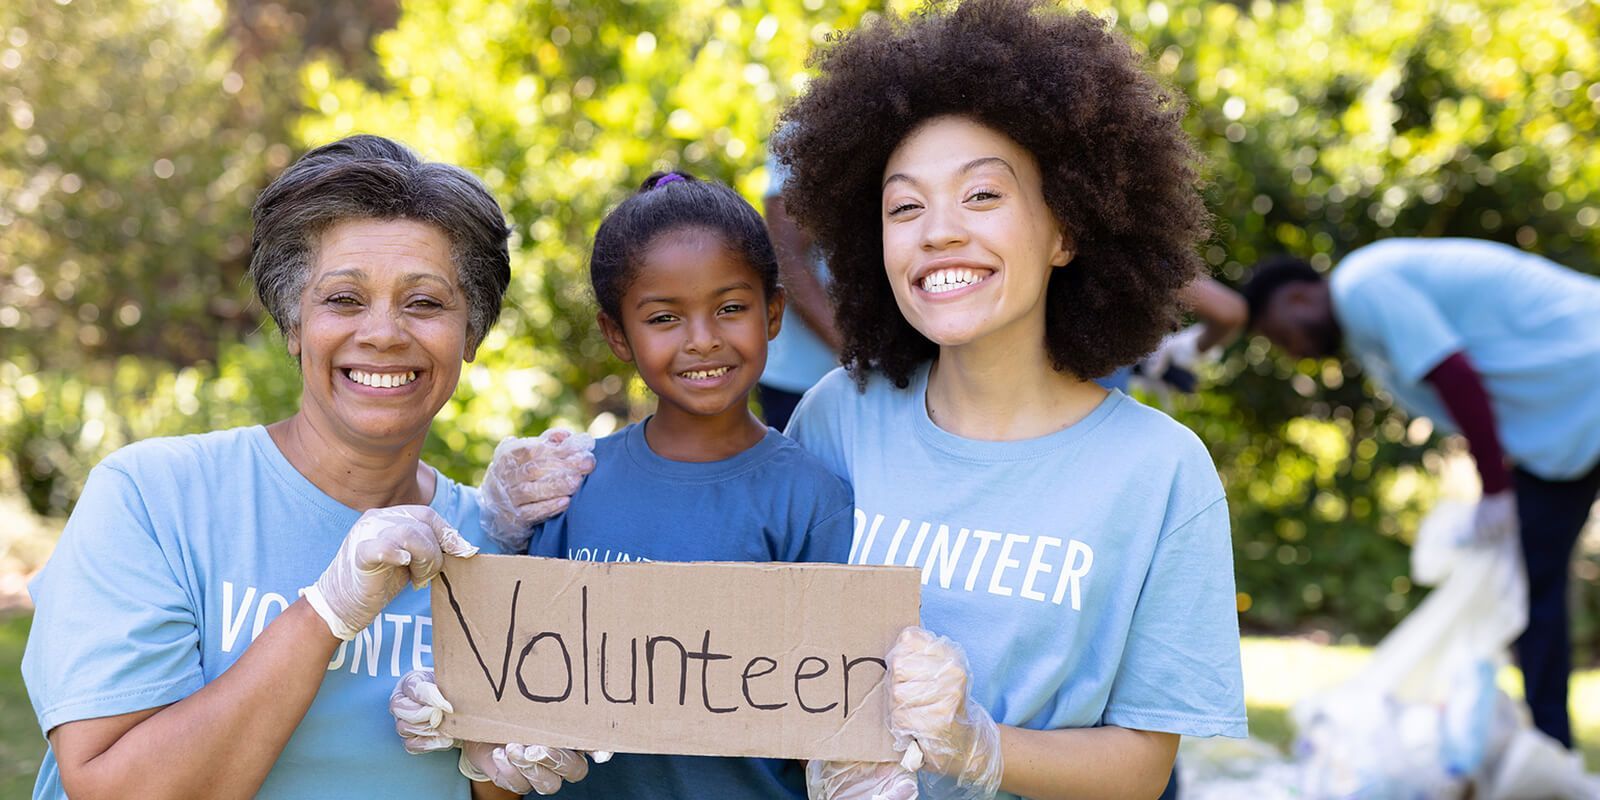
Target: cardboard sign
770	660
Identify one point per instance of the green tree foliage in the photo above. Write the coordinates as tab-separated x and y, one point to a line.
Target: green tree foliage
133	137
135	143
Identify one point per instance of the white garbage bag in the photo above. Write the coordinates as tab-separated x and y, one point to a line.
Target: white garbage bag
1425	718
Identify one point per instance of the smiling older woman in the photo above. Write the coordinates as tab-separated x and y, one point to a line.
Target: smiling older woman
226	613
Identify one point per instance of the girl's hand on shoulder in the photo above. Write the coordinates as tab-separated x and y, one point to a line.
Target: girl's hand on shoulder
933	717
530	480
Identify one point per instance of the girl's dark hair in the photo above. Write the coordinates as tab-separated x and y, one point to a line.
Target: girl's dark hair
667	202
1119	172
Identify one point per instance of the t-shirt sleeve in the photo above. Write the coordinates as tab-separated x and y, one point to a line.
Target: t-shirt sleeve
541	540
827	540
818	424
1414	333
114	630
1180	669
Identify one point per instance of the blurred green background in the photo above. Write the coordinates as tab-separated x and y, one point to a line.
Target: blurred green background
134	135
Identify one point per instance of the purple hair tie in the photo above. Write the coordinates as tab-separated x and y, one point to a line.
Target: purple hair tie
669	178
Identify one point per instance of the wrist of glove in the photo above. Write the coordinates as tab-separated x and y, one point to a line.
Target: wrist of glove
524	768
1495	518
1182	349
934	719
384	549
859	780
530	480
1174	363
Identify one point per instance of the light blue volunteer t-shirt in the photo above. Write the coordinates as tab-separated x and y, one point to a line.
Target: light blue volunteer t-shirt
1530	327
772	502
1087	573
798	358
178	554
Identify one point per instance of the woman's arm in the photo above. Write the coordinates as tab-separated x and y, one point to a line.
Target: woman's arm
218	742
929	704
222	740
1220	309
805	292
1088	763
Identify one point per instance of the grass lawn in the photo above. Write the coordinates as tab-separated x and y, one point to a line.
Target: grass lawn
20	743
1277	672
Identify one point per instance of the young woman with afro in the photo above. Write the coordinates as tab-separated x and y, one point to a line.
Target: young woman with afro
1009	207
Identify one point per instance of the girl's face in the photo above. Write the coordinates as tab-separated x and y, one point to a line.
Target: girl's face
968	242
695	321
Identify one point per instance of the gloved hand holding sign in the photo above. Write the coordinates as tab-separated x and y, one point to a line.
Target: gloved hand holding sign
523	768
385	548
935	722
419	708
931	710
859	780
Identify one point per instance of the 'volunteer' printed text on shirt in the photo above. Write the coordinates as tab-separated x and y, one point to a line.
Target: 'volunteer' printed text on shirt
388	635
1030	566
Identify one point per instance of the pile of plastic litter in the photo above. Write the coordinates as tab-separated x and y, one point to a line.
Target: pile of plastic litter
1424	720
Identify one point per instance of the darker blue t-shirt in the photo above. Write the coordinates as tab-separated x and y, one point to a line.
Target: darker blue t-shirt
773	502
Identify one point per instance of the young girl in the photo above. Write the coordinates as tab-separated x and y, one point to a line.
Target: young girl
687	283
1008	204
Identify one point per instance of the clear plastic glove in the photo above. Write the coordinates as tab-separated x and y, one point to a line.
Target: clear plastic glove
529	481
859	780
1173	364
1495	518
932	711
1181	349
385	548
418	709
524	768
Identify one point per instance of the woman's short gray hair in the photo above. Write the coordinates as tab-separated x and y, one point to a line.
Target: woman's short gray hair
370	177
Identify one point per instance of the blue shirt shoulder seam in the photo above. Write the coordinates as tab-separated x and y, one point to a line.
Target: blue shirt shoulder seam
1192	517
845	509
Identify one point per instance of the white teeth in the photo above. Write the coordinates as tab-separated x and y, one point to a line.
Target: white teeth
702	374
381	380
946	280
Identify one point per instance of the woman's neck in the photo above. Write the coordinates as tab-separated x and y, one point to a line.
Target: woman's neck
679	436
361	477
1000	391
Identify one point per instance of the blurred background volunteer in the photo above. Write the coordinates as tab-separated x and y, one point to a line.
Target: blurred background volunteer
1505	347
171	655
807	346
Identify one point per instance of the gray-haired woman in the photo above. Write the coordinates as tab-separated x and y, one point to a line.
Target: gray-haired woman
227	613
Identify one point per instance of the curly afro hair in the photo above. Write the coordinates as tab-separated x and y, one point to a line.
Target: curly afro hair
1119	172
